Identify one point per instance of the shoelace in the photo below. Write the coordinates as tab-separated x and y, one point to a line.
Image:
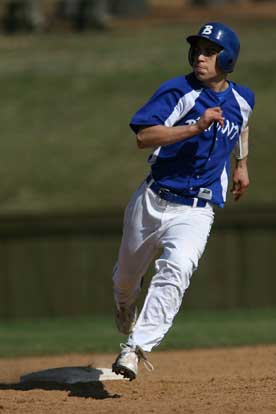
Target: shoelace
141	355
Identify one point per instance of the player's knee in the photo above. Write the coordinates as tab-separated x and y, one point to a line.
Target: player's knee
174	273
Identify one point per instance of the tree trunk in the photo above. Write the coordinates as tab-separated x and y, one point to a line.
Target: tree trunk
86	14
22	15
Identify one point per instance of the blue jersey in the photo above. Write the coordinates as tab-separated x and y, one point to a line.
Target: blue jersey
198	166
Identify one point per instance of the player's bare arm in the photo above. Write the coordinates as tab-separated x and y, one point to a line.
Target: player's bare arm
240	179
160	135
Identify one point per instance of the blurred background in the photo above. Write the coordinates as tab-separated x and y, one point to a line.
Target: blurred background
72	73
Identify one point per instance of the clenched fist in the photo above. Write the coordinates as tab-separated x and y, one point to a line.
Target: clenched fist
210	115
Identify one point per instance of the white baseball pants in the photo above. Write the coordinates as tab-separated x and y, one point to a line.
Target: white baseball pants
179	234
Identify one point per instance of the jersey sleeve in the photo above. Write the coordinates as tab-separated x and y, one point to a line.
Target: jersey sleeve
241	148
251	98
247	94
158	108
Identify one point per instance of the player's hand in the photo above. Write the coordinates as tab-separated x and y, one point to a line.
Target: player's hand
210	115
240	180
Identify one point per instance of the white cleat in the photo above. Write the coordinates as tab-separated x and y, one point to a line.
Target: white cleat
127	362
125	318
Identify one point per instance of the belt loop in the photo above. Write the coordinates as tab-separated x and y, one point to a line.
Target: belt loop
195	202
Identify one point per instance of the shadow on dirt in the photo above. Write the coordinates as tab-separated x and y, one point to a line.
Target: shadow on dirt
94	390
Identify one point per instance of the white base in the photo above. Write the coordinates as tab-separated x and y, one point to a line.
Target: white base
71	375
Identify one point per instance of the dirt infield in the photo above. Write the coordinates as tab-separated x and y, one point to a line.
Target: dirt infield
229	380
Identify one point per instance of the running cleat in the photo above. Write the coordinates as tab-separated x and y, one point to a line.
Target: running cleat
127	362
126	317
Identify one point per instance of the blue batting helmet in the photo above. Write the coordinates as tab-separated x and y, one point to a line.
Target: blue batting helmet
223	36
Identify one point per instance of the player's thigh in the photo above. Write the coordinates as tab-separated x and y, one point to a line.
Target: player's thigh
138	222
139	241
185	239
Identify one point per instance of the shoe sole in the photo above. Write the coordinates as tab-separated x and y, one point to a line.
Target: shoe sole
124	371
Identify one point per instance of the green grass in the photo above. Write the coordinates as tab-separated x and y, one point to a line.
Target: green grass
66	102
98	334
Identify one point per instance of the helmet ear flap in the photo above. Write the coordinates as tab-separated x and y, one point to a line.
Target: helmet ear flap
226	61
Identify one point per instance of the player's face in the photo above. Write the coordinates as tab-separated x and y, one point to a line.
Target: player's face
205	61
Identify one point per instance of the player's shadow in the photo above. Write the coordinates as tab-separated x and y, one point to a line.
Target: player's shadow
85	383
94	390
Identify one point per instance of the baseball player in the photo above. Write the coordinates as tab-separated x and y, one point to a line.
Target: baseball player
193	124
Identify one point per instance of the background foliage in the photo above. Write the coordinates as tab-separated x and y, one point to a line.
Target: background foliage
66	103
